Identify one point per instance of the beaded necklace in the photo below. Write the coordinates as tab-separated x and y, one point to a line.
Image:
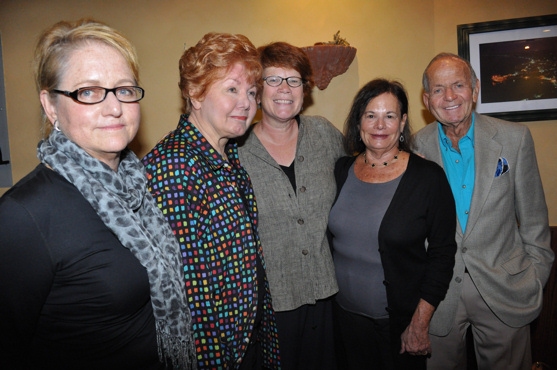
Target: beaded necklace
373	165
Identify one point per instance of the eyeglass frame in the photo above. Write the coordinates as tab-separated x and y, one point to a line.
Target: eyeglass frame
285	79
73	94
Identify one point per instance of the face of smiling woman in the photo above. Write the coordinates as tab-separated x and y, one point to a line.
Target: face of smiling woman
227	109
103	130
382	124
281	103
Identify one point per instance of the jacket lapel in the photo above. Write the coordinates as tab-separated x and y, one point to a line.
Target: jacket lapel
258	150
487	152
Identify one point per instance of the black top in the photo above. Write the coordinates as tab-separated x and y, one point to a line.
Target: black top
71	295
290	173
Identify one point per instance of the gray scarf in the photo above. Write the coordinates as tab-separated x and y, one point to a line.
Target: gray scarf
126	207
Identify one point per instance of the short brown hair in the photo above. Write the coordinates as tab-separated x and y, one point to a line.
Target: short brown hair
283	55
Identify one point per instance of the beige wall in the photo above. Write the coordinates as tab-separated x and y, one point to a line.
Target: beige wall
394	38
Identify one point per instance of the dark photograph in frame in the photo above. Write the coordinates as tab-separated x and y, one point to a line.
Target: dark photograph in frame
516	62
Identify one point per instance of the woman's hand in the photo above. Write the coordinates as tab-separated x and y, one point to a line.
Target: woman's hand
415	339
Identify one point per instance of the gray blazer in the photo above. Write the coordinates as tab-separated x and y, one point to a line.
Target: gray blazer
506	246
292	224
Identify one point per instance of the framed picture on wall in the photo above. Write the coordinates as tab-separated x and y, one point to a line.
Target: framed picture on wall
516	62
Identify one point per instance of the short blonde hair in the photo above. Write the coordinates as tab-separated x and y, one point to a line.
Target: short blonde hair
56	44
209	60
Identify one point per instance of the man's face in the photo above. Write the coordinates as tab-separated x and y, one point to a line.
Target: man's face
450	97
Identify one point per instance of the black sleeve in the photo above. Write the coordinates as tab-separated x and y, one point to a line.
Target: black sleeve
26	275
441	221
342	166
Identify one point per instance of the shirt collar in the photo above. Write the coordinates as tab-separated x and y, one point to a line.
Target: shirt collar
197	141
446	142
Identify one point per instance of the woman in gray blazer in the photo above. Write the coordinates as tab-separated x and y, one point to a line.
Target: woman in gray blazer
290	159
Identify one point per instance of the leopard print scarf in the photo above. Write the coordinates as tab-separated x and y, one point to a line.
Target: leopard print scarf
126	207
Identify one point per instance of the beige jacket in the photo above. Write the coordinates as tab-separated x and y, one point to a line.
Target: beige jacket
508	264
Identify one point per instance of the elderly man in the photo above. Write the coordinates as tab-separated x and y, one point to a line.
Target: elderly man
504	256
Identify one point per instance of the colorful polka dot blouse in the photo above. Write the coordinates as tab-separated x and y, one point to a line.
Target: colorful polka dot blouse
211	208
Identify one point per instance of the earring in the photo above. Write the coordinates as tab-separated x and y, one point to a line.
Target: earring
56	125
401	138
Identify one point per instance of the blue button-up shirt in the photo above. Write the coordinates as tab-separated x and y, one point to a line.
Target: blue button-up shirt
460	170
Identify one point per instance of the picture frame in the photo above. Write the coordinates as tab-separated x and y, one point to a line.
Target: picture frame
516	63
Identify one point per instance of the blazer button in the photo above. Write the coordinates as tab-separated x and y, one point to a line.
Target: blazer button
303	189
301	158
457	279
385	282
464	249
305	252
300	221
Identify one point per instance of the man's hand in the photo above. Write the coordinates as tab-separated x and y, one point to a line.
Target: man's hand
415	339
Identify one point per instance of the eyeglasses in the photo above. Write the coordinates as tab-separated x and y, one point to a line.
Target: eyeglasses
275	81
97	94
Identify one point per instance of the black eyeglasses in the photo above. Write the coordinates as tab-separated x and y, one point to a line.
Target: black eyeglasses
97	94
275	81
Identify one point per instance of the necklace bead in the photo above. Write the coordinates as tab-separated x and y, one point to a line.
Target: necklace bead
385	164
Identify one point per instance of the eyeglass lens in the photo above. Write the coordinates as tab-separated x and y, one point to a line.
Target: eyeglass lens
275	81
97	94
